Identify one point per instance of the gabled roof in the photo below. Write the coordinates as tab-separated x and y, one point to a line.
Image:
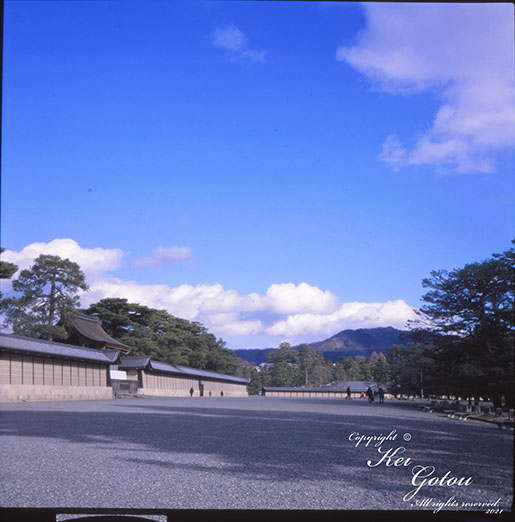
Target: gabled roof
133	363
210	375
145	363
89	329
17	343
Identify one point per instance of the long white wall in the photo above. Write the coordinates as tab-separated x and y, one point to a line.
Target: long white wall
166	385
32	377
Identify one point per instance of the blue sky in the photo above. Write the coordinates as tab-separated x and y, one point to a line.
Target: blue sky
274	170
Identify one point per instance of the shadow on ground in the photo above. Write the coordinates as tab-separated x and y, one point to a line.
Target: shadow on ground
275	445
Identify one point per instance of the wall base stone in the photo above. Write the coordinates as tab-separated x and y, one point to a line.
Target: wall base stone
25	392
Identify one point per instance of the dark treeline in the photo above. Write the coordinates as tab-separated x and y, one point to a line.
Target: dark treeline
304	366
164	337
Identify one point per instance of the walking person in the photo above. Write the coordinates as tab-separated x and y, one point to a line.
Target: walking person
192	391
370	394
348	392
381	396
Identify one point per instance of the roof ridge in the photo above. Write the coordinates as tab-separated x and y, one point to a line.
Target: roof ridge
92	318
46	341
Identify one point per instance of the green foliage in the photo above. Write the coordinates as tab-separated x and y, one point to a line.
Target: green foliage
381	370
259	380
348	369
283	369
469	319
321	373
295	367
7	270
407	364
311	363
48	298
164	337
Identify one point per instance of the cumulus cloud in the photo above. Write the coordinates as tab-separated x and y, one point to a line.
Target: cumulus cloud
348	315
233	324
297	312
93	261
184	301
234	42
288	298
464	54
162	256
302	310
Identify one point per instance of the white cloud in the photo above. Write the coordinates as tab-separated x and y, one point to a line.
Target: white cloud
232	324
184	301
349	315
393	152
288	298
230	38
303	310
164	255
464	54
93	261
234	42
295	311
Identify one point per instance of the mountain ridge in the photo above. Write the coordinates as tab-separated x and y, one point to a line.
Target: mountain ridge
347	343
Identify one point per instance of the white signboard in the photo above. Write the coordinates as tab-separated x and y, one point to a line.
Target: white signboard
117	374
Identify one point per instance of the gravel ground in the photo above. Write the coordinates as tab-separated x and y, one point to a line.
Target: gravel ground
248	453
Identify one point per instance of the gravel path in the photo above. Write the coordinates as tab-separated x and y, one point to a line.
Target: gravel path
248	453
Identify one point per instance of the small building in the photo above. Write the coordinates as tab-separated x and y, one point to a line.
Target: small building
33	369
166	380
87	330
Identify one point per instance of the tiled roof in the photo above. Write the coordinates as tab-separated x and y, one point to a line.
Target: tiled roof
157	366
17	343
133	363
90	328
211	375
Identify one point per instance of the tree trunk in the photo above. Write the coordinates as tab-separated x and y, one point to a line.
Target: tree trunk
51	310
496	399
509	398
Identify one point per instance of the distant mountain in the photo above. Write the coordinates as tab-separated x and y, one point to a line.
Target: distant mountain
347	343
361	342
256	356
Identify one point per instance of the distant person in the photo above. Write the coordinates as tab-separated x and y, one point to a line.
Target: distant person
370	394
192	391
222	393
362	395
210	393
381	396
348	392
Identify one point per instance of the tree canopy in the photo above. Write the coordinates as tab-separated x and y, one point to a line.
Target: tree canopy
164	337
49	297
468	317
7	269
